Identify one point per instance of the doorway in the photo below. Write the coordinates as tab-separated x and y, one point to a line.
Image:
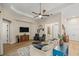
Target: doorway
52	30
55	29
72	28
5	31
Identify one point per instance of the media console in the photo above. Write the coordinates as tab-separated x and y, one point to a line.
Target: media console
24	38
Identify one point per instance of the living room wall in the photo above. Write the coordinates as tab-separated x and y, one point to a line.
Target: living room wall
32	28
66	13
1	45
56	18
16	22
69	13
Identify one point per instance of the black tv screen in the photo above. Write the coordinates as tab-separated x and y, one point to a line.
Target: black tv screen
24	29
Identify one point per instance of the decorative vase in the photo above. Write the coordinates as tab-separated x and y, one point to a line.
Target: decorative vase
66	38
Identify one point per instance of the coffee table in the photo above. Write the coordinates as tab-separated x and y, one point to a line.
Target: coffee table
39	45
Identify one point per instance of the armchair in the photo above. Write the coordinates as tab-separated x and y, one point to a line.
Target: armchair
38	38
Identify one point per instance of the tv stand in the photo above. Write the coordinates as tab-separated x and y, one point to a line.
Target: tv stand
24	38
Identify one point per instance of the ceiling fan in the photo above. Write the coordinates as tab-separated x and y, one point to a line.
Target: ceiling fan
41	14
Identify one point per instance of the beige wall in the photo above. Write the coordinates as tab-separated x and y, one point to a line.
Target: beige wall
64	14
1	45
56	18
16	23
69	13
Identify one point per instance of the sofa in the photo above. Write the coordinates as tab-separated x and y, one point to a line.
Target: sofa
32	51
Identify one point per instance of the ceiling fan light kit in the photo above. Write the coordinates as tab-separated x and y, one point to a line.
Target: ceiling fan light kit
40	16
41	13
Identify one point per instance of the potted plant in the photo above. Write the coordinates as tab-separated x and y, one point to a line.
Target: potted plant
61	37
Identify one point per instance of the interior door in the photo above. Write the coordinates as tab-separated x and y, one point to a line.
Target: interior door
48	31
55	28
52	30
5	32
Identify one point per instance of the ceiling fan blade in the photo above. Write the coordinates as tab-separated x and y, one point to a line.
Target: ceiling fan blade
45	15
35	13
35	16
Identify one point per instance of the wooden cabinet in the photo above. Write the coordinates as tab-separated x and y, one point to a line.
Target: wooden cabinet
24	38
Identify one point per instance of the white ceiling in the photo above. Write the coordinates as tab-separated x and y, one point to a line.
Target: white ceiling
26	9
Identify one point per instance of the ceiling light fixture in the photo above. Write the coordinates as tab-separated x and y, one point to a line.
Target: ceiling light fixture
42	13
40	16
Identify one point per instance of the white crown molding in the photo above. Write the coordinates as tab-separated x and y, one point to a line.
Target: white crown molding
52	11
20	12
58	9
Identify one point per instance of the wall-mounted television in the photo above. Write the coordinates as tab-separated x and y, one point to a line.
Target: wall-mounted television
24	29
